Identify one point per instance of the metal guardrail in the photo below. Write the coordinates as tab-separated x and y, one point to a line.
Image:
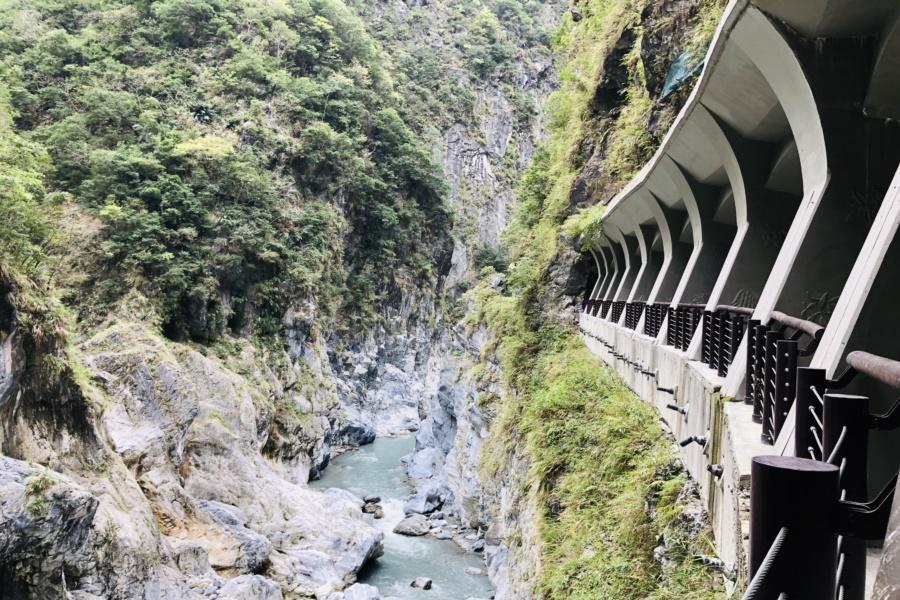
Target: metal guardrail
832	430
773	351
656	314
618	307
683	322
723	329
633	313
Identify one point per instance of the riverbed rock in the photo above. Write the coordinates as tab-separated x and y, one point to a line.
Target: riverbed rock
422	583
356	434
379	513
357	591
370	499
345	496
428	498
369	508
414	525
250	586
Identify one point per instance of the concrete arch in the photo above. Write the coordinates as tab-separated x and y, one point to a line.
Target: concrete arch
703	131
631	228
676	181
623	257
662	225
766	47
609	256
602	273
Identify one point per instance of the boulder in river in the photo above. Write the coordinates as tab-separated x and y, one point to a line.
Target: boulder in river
370	499
428	499
356	434
413	525
423	583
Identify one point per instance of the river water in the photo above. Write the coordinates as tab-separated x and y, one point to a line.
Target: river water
377	469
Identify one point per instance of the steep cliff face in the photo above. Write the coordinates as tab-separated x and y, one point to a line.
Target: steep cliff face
140	467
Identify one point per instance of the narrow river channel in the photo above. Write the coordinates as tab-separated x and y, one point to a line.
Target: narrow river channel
377	469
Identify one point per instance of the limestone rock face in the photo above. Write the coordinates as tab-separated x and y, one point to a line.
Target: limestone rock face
43	530
188	427
171	494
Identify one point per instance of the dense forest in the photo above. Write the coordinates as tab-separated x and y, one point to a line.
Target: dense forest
216	155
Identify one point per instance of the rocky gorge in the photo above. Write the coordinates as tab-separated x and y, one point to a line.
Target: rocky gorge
140	463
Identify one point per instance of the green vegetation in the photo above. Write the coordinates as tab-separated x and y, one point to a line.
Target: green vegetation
38	504
602	467
457	64
237	154
599	458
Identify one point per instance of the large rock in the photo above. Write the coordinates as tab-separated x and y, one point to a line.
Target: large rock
428	498
250	587
45	528
254	548
413	525
361	591
356	434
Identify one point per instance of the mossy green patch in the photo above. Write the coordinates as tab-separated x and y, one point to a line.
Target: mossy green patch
603	469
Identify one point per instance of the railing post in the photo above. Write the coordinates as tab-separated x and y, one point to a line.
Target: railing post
808	561
751	364
769	371
809	412
846	445
785	383
707	333
759	372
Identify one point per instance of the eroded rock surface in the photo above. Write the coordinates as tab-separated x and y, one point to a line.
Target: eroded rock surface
181	501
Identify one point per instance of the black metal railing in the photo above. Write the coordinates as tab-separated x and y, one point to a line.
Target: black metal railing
656	314
822	552
683	322
618	306
633	312
723	329
604	308
773	351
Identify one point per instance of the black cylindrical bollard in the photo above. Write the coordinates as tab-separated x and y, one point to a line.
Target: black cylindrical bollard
799	494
